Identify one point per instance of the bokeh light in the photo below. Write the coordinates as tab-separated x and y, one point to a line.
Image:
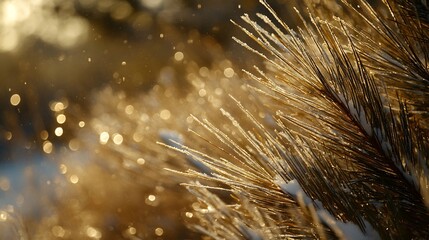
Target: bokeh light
15	99
20	20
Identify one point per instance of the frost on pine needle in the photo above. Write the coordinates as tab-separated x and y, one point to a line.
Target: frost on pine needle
350	126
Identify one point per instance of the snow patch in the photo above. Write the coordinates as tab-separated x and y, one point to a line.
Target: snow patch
360	116
357	112
292	188
343	230
347	230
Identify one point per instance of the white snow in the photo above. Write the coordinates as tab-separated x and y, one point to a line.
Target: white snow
347	230
357	112
359	115
292	188
344	230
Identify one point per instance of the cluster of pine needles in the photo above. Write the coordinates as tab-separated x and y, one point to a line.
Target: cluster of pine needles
346	152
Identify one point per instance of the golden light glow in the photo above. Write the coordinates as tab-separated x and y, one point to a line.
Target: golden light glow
15	99
151	198
3	216
228	72
93	233
58	231
117	139
129	109
202	92
81	124
57	106
61	118
152	3
44	135
104	137
74	144
165	114
63	169
8	136
59	131
74	179
141	161
132	230
137	137
47	147
178	56
159	231
204	71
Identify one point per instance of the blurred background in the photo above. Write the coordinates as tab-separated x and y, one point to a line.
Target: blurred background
56	57
56	53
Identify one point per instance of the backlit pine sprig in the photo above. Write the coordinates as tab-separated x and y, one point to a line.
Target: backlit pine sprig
348	153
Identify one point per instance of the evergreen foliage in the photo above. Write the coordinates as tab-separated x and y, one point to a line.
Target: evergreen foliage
346	153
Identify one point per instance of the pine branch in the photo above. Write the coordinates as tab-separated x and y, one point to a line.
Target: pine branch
342	135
